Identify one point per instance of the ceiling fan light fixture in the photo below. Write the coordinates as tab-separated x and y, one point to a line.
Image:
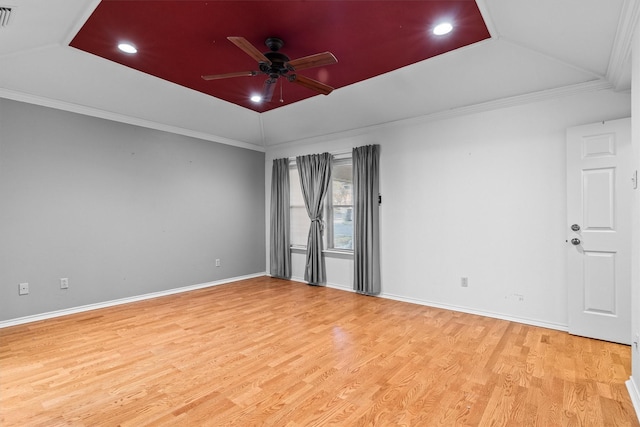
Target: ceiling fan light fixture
127	48
442	28
256	98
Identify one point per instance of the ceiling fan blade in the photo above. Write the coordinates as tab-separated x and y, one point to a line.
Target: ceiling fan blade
267	90
227	75
249	49
311	61
311	84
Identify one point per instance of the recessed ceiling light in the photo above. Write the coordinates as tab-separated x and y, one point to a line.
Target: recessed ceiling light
256	98
442	29
127	47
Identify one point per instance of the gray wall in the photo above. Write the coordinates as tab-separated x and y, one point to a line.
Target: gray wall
118	209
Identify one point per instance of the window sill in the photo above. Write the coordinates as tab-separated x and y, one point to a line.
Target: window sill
332	253
337	253
298	249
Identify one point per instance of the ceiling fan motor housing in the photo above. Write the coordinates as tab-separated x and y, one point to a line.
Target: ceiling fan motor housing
278	64
278	60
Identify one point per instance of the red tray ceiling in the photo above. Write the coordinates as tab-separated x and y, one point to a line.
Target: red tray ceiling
179	41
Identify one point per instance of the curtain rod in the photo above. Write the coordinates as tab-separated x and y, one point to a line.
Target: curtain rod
339	154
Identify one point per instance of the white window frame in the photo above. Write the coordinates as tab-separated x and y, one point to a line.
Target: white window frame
339	158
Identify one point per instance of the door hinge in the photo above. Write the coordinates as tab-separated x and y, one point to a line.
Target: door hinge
634	180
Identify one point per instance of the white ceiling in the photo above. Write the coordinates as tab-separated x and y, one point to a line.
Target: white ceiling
539	48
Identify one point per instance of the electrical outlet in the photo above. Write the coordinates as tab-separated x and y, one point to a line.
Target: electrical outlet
464	282
515	297
23	289
64	283
217	262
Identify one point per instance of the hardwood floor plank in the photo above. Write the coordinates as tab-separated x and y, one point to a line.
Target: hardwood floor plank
279	353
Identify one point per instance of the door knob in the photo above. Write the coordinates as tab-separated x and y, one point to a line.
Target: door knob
575	227
575	241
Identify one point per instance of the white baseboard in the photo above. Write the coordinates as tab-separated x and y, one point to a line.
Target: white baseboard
340	287
83	308
328	285
634	393
523	320
298	279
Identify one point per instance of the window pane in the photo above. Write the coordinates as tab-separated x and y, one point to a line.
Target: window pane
299	220
294	184
341	177
299	225
341	189
343	228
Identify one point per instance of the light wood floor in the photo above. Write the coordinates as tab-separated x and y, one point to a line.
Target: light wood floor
278	353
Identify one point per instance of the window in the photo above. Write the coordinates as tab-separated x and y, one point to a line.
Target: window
298	217
340	208
338	217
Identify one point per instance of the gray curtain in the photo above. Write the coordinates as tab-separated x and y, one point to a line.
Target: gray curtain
366	240
315	178
279	242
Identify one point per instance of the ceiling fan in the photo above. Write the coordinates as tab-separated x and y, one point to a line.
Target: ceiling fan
275	64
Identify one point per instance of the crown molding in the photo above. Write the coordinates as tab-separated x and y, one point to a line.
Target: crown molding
621	50
136	121
591	86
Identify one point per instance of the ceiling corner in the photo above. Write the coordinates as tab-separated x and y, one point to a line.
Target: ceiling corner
263	137
488	20
79	21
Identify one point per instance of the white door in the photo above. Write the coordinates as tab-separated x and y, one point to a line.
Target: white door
599	190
